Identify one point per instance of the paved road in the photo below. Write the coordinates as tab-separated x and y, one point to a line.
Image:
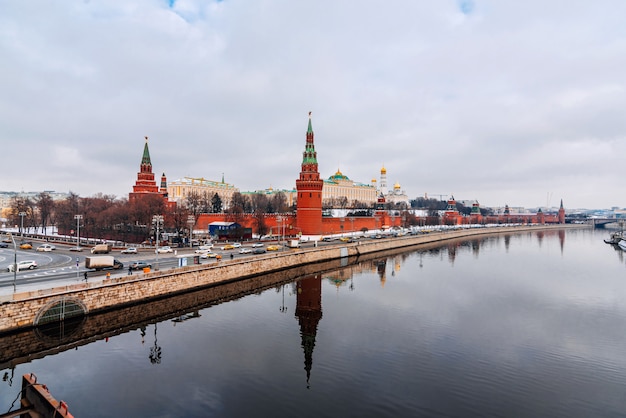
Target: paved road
62	267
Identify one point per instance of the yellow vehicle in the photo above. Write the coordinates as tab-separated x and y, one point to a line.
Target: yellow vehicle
273	248
26	246
228	247
209	255
344	239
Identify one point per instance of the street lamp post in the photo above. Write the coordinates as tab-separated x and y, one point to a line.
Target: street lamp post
14	262
22	214
157	220
78	219
191	220
283	308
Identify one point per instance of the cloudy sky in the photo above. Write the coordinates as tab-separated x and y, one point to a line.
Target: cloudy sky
505	102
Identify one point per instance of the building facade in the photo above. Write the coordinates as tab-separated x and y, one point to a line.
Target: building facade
339	186
178	190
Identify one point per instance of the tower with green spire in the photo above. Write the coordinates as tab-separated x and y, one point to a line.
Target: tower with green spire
145	178
309	189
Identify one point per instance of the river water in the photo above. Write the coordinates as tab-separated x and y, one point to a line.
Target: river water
527	325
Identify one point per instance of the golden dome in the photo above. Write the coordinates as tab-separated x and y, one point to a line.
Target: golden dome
396	186
383	170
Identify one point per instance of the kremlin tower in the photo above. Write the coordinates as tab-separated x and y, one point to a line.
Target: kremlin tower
146	184
561	213
309	189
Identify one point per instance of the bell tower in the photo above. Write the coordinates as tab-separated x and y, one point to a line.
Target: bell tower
561	213
309	189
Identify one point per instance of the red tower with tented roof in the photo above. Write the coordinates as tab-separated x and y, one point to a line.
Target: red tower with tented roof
309	189
145	183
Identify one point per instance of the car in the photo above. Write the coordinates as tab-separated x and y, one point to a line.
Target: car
210	255
46	247
78	249
204	249
273	248
165	249
344	239
258	251
236	245
26	246
4	245
24	265
257	244
244	250
228	247
129	250
140	265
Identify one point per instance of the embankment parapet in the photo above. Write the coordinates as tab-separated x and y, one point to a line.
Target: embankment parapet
22	309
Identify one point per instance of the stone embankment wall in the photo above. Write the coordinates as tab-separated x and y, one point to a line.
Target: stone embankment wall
21	310
26	345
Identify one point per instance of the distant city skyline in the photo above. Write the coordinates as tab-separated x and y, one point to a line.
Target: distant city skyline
512	103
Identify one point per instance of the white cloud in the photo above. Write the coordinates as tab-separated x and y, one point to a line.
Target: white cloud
493	101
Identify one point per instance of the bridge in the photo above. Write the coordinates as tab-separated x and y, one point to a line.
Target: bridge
596	222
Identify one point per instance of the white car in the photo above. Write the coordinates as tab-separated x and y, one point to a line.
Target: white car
162	250
257	244
129	250
203	249
244	250
236	245
46	247
24	265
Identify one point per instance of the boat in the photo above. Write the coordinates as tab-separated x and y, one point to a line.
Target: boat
615	237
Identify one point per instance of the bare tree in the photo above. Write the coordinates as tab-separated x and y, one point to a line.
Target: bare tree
193	201
64	212
24	206
45	206
279	201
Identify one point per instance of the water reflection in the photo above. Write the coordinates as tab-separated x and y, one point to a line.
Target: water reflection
309	314
497	326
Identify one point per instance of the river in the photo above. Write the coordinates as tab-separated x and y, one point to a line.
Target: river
525	325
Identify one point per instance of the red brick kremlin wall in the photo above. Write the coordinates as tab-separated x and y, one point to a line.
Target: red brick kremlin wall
329	225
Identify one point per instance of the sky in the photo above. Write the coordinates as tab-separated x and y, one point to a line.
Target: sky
498	101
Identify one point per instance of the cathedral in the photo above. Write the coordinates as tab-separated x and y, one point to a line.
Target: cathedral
396	196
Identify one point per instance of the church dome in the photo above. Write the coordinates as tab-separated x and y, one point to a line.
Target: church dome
383	170
396	186
338	176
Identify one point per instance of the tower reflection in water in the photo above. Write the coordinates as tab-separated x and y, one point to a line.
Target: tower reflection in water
309	313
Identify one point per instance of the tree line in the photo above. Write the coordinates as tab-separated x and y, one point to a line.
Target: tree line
107	217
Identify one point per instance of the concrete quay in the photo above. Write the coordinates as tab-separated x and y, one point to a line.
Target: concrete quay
24	310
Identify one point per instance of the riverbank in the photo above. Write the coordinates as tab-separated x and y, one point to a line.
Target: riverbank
32	308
